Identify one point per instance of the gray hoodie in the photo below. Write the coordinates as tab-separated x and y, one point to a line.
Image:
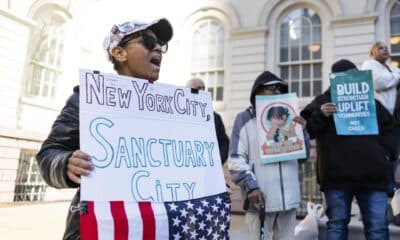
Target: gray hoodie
278	181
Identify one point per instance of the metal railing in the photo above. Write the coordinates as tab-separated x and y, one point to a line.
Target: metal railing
309	187
29	185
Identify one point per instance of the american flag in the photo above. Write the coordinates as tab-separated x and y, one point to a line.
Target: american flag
202	218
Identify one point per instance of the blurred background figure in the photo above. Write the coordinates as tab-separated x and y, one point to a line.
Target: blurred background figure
386	81
223	140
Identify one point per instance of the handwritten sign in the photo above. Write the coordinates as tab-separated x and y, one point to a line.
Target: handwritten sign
148	142
353	94
280	139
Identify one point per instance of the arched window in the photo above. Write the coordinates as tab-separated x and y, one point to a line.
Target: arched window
395	34
207	61
46	61
301	52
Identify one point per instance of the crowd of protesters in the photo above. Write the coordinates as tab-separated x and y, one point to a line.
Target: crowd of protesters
360	167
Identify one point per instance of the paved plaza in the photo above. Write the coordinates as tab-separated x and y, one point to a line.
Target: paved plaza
46	221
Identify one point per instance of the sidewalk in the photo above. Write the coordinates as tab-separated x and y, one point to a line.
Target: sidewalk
238	230
46	221
33	221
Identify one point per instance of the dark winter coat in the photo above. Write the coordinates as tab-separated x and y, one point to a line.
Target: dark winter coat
350	162
52	158
223	140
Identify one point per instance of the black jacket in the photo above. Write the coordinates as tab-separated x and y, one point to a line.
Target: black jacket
350	162
52	158
223	140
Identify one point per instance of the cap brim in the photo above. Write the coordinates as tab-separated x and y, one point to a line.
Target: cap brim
275	82
162	28
285	87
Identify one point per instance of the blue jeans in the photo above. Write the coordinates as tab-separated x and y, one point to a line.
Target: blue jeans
373	210
392	177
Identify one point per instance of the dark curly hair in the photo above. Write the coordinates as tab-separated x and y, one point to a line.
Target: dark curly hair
277	112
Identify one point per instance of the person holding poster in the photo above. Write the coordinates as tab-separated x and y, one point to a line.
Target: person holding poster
386	81
273	186
135	49
351	165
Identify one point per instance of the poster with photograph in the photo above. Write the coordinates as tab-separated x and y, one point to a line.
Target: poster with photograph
353	94
280	139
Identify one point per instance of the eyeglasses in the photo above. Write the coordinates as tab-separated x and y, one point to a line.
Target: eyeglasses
200	88
148	41
274	87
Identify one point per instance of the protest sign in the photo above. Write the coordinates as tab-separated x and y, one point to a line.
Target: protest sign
148	142
353	94
280	138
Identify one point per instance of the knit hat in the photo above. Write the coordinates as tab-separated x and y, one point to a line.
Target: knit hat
343	65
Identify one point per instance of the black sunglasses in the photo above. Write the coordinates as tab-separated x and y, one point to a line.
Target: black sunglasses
149	42
275	87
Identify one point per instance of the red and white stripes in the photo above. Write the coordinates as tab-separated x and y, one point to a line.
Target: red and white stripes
124	221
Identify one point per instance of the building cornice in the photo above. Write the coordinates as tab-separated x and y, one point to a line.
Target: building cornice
359	19
20	134
249	32
23	20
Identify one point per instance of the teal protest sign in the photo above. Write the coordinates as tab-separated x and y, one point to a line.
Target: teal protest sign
353	94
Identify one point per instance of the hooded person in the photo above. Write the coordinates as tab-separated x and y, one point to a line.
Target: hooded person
269	80
274	186
351	166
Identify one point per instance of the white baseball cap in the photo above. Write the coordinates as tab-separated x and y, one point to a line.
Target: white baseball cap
161	27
